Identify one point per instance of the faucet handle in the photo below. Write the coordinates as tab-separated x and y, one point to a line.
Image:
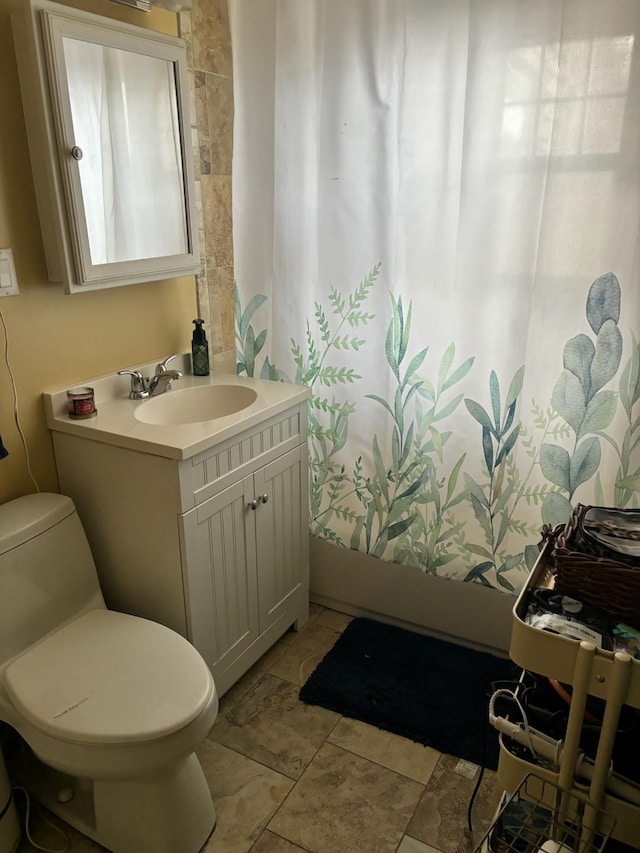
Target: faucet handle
138	386
162	366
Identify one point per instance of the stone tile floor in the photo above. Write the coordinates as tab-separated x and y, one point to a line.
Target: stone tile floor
288	777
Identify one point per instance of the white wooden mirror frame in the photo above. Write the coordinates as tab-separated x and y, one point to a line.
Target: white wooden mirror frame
38	34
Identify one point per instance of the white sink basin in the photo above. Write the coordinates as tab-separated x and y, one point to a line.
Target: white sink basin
195	405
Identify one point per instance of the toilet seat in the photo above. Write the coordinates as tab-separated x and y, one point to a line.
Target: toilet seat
110	678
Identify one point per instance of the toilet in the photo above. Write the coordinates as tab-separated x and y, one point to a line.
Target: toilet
111	706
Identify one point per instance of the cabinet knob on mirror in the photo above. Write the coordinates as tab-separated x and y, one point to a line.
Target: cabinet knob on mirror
76	152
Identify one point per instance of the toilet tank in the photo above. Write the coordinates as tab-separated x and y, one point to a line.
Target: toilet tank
47	573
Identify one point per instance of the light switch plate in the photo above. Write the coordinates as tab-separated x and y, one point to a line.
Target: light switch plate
8	279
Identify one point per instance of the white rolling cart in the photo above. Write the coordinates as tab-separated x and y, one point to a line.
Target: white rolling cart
570	803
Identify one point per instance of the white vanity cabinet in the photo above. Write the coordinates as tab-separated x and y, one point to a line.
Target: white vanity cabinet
215	545
245	563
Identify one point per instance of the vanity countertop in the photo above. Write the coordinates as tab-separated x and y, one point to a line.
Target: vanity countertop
116	422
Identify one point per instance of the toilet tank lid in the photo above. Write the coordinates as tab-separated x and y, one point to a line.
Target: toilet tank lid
25	518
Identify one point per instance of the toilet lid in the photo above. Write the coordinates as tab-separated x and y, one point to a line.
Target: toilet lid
109	677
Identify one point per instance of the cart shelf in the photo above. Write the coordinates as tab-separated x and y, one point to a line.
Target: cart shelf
540	816
612	677
555	656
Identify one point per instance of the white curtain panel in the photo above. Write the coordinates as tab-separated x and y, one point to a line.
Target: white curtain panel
436	225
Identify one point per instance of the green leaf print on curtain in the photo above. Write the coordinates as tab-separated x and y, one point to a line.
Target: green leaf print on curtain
474	514
580	401
628	481
409	500
494	503
331	487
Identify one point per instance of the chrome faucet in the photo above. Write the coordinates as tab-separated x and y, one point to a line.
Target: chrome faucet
139	389
162	367
142	387
161	382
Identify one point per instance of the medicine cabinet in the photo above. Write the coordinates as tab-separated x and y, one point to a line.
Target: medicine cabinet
107	115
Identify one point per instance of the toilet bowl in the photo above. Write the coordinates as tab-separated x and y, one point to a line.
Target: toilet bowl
111	706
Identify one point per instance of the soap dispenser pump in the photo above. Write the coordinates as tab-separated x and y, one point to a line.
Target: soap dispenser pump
199	350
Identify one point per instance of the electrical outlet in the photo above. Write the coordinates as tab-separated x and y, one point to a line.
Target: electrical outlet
8	279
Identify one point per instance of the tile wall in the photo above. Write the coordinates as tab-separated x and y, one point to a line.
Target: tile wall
205	30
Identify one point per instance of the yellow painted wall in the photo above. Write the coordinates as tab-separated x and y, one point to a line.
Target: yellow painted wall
55	340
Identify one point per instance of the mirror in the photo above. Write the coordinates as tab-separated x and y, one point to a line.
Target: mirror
106	106
125	124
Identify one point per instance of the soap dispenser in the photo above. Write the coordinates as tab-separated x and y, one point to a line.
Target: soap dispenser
199	350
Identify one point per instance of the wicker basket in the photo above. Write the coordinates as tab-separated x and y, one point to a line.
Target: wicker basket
601	581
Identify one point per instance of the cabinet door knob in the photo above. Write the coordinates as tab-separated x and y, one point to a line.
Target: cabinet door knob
77	153
263	498
253	504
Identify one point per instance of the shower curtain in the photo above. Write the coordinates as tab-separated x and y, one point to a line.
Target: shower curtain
436	226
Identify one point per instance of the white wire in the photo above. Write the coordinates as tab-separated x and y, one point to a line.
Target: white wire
46	820
16	416
525	721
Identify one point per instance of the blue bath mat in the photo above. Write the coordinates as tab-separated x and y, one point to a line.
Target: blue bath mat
428	690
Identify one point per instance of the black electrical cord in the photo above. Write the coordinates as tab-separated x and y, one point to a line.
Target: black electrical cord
473	796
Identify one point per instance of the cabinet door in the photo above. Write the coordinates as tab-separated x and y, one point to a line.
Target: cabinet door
281	534
218	545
